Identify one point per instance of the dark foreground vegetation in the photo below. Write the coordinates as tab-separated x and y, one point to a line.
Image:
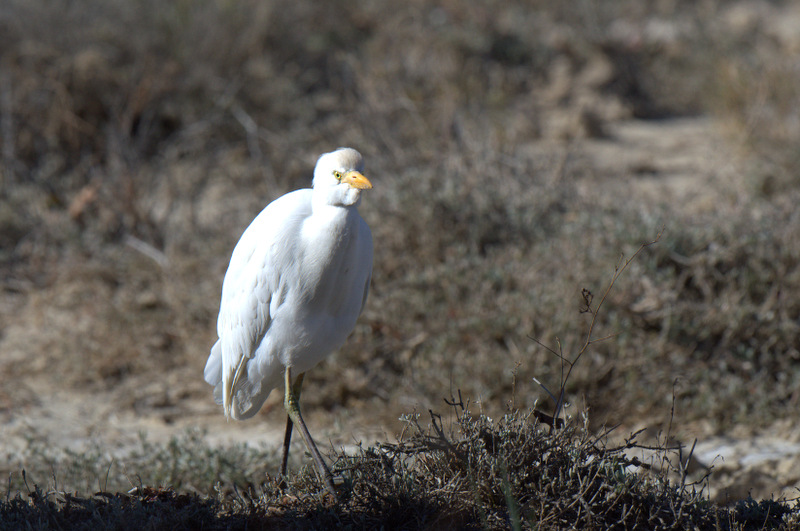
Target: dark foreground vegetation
464	472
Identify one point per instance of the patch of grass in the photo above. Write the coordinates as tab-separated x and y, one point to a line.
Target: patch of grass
756	86
183	463
720	296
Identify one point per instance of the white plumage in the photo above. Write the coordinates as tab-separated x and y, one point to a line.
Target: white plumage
297	281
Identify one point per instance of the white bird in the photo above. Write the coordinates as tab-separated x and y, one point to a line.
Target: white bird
297	281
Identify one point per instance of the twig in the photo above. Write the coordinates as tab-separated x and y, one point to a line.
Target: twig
251	129
148	250
589	340
6	128
588	299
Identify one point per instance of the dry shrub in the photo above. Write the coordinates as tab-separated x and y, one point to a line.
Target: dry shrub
718	302
469	472
513	473
755	90
757	98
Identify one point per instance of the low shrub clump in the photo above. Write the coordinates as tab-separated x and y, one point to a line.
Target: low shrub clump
469	472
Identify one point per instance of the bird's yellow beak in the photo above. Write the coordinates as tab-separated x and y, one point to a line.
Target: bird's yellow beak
356	180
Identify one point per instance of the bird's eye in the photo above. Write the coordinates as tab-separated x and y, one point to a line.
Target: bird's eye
338	175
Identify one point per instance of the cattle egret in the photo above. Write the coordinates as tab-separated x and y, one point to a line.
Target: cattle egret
297	281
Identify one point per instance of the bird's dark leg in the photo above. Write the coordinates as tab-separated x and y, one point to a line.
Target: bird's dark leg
287	438
292	404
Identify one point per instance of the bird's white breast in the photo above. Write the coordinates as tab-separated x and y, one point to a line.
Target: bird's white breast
334	264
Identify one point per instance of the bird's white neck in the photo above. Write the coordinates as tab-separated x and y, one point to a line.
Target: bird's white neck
339	196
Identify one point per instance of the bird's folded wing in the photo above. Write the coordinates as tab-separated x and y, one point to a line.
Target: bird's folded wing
251	290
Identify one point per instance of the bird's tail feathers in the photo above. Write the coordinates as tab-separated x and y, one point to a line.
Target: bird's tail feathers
213	371
241	394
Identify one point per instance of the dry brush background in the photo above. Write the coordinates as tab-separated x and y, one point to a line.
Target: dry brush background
517	150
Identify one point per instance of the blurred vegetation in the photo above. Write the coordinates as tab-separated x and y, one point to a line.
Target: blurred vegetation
169	142
139	138
184	463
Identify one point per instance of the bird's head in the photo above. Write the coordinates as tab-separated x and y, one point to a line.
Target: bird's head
338	178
